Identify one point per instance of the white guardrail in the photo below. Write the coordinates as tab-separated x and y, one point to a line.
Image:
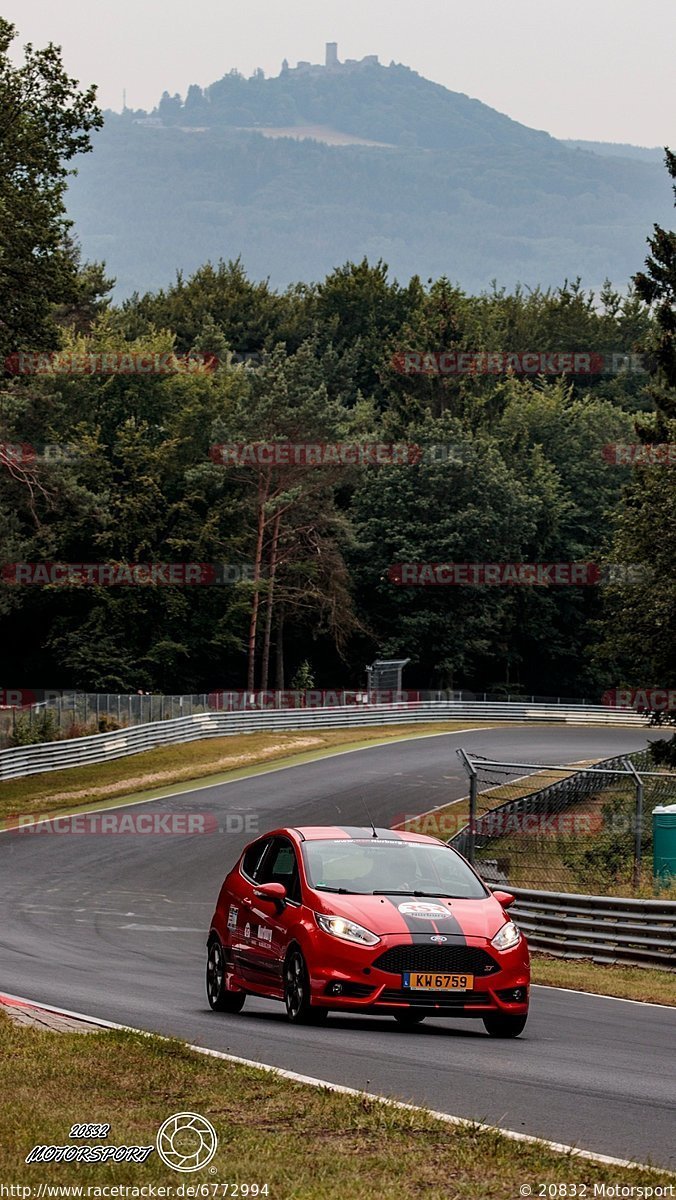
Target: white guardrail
607	929
104	747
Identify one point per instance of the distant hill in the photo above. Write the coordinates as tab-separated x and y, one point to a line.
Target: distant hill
453	187
618	150
385	104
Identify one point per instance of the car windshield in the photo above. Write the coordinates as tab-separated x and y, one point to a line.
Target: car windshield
372	865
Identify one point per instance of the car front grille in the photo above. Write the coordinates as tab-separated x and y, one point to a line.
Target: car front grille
469	960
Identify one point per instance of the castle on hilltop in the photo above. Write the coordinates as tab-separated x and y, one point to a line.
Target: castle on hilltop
331	62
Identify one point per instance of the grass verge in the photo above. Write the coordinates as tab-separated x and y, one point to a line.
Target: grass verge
629	983
303	1142
156	771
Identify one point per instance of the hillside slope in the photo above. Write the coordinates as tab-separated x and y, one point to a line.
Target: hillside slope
457	189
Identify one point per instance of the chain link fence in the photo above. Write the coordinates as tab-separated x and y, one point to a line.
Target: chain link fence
76	714
564	828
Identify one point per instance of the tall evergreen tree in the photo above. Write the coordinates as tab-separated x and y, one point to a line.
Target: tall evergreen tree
45	120
641	620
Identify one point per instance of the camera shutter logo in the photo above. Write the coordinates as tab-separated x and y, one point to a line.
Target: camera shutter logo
186	1142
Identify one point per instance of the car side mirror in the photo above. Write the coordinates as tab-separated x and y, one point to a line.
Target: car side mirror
272	893
506	899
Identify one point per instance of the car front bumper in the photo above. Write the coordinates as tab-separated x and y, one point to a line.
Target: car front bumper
349	978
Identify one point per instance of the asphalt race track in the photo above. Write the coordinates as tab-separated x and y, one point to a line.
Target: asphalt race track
115	926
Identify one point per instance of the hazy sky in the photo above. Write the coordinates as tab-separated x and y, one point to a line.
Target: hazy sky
598	69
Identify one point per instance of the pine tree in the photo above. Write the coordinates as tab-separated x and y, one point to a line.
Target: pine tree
641	617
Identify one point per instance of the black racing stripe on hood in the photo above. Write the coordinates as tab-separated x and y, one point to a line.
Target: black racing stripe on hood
449	926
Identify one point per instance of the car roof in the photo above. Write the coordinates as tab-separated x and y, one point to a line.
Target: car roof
316	833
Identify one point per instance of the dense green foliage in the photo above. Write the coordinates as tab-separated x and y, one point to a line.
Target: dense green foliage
44	123
525	480
641	620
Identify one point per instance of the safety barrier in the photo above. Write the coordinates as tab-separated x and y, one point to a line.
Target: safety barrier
607	929
104	747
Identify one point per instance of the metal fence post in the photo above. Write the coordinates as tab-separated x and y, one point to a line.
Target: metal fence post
638	848
472	816
638	822
472	804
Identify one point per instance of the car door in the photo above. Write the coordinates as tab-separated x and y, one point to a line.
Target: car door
241	921
273	926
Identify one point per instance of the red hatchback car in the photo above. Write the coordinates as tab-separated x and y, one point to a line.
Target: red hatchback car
366	920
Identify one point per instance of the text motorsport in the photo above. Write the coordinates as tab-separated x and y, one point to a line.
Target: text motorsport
89	1154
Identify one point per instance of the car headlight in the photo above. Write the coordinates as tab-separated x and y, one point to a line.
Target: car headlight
349	931
506	937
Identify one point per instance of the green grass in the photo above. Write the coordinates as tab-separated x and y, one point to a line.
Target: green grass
306	1143
630	983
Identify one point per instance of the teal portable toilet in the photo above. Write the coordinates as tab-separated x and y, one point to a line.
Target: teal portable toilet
664	843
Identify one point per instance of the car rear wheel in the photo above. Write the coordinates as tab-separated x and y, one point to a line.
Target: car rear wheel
504	1025
408	1020
220	998
299	1010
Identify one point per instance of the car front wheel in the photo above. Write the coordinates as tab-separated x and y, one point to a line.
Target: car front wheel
504	1025
299	1010
220	998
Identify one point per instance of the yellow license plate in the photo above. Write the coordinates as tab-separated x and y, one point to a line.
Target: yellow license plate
433	981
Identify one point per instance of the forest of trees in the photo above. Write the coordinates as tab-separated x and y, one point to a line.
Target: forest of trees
526	480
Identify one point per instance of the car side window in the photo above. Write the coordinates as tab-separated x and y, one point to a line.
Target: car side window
281	866
253	859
